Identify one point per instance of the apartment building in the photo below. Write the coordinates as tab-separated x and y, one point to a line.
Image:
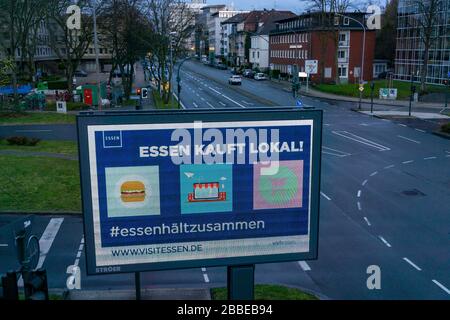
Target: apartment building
259	50
306	37
410	48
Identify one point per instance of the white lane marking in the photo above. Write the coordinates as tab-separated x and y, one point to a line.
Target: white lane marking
77	261
359	194
34	130
214	90
80	248
195	105
367	221
374	173
181	102
407	162
79	254
233	101
325	196
203	269
385	242
430	158
440	285
203	99
248	103
335	152
209	104
3	245
223	104
82	240
364	182
408	139
389	167
415	266
359	206
47	238
205	277
403	125
304	266
356	138
420	130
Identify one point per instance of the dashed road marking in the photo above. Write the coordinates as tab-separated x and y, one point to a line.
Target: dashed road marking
390	166
374	173
364	182
359	206
359	194
440	285
408	162
195	105
325	196
420	130
205	277
430	158
385	242
415	266
209	104
356	138
408	139
335	152
367	221
304	266
223	104
403	125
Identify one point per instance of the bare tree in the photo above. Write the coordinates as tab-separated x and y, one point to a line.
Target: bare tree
17	20
69	45
425	24
172	23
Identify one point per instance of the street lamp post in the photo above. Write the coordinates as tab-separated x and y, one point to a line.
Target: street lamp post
171	58
361	77
97	64
179	80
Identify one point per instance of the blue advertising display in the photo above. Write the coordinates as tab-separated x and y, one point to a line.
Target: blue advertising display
221	188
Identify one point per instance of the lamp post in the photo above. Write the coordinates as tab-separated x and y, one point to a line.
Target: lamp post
173	33
97	64
361	77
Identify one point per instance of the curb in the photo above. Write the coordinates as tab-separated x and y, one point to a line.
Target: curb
441	134
40	213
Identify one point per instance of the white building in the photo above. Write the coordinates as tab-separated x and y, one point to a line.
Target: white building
215	30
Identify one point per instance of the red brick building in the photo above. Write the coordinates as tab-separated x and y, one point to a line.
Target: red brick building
306	37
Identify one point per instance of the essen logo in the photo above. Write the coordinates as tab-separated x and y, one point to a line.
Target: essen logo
112	139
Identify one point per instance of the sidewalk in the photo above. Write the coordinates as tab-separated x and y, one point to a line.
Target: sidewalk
286	86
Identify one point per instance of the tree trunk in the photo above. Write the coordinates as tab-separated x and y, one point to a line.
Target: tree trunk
423	73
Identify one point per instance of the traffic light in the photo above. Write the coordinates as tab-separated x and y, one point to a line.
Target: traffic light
138	91
144	94
35	284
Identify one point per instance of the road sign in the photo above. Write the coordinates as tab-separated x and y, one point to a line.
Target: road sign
302	74
158	194
361	88
311	66
299	103
144	93
61	106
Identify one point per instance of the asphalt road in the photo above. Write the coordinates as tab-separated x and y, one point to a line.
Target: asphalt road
385	195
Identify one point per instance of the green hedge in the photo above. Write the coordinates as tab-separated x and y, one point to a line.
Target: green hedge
57	85
71	106
446	128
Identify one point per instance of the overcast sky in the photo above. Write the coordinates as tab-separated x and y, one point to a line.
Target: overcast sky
296	6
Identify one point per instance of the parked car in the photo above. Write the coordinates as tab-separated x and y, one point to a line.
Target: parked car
80	73
260	76
248	73
236	71
221	66
235	79
385	75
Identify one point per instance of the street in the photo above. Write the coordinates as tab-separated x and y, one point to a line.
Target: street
385	192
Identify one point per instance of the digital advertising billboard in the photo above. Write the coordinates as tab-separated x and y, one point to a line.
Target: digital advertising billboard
168	190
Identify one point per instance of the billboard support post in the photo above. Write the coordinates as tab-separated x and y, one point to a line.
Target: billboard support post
241	282
137	284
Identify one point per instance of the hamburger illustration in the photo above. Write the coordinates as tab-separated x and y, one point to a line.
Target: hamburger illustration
132	191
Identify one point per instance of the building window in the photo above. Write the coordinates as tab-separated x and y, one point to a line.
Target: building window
341	54
343	71
346	21
336	21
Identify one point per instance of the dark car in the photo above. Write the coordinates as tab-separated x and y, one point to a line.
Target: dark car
385	75
80	73
248	73
221	66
